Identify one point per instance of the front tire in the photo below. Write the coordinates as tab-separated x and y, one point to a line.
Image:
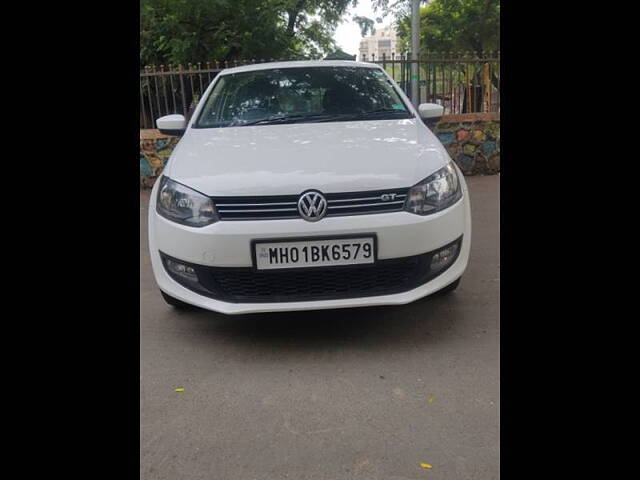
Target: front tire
174	302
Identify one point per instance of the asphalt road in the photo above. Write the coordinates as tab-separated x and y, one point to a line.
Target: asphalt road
340	394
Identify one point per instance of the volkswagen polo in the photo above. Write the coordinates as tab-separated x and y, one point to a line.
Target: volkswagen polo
307	185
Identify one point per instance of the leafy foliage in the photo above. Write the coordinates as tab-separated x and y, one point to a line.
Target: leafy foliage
396	8
447	25
366	25
456	25
183	31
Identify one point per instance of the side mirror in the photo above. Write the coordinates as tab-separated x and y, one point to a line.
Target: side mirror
431	113
174	125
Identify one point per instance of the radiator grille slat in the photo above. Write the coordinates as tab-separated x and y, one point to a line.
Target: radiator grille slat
276	207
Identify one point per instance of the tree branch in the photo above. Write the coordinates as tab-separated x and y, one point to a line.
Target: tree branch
293	16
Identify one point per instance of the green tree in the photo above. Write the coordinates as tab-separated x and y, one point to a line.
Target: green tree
447	25
183	31
367	25
456	25
452	26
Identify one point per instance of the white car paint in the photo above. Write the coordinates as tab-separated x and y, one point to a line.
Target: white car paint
430	110
171	122
288	159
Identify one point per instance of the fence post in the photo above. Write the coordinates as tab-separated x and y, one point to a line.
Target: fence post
144	113
184	95
147	70
393	66
164	90
486	81
157	90
402	74
173	88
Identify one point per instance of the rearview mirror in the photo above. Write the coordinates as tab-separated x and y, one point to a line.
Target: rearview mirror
431	113
174	125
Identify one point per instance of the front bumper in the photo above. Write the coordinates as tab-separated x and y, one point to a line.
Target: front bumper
228	244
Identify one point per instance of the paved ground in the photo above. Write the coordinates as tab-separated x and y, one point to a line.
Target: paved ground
342	394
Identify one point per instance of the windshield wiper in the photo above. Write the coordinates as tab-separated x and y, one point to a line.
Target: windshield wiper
380	111
322	117
288	119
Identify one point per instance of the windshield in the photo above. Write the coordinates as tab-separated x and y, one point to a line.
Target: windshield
301	95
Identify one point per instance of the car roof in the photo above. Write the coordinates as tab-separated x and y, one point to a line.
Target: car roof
298	64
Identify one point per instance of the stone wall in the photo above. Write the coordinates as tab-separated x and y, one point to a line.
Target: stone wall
155	149
473	141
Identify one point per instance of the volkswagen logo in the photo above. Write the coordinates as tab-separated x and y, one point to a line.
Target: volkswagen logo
312	206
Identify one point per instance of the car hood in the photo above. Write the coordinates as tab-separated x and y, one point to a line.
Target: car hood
289	159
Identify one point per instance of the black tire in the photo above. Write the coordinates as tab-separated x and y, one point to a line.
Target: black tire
174	302
449	288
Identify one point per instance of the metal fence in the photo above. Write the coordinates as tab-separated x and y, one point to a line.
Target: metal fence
173	90
461	82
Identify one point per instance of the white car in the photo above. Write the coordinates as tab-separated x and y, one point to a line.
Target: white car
306	185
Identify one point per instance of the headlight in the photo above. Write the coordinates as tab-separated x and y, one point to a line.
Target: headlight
184	205
434	193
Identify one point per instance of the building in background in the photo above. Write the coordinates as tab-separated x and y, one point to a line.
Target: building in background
383	41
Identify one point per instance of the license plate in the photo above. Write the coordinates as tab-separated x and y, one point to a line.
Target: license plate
318	252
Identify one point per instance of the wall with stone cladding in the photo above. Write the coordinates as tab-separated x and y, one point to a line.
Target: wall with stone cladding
472	140
155	150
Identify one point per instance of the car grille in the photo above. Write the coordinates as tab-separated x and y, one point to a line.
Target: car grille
275	207
247	285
